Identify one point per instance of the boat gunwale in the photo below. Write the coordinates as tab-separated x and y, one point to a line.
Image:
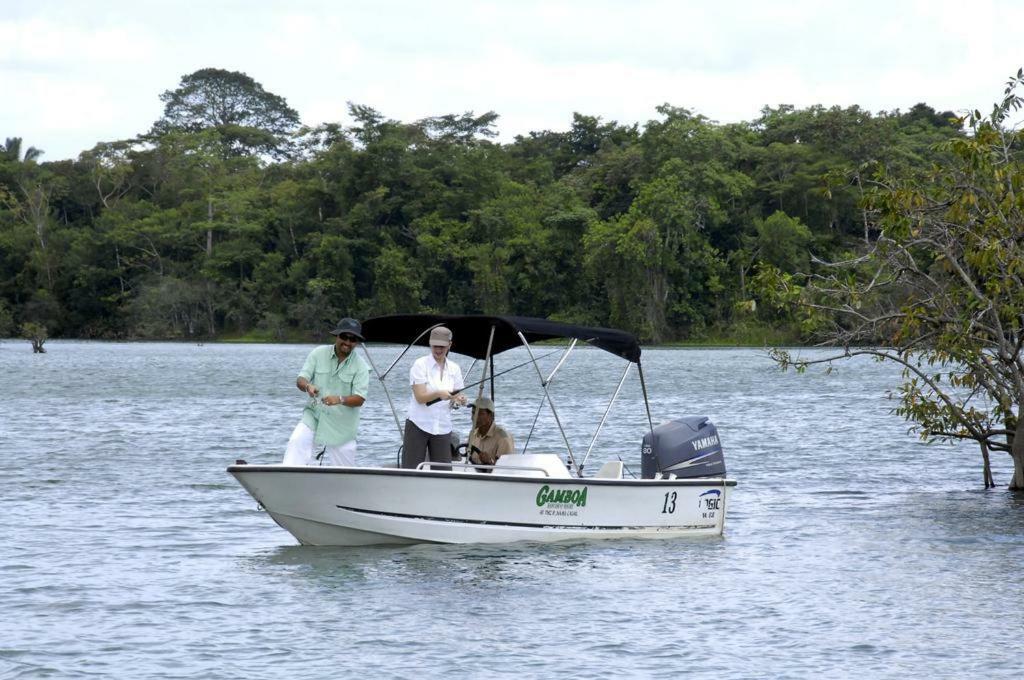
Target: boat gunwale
441	474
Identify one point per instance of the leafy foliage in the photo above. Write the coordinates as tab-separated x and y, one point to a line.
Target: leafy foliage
246	118
228	217
940	291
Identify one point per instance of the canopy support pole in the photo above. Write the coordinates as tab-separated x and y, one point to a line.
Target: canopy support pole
382	376
380	379
554	411
488	360
536	415
407	348
492	377
472	367
647	405
561	361
622	381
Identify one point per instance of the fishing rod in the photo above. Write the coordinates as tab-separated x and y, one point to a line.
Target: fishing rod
495	375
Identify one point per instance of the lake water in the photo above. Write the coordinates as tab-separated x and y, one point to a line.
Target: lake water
850	547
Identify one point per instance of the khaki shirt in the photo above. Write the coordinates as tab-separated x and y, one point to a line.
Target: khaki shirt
496	442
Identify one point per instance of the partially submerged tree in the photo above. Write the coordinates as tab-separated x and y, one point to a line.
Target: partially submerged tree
940	291
36	334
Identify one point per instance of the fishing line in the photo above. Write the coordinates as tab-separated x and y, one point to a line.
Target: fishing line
492	377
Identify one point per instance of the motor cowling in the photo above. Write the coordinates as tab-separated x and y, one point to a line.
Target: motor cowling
685	447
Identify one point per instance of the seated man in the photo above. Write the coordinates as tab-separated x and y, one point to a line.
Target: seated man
488	441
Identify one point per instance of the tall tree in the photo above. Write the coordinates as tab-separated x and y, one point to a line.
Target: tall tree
33	188
10	150
248	119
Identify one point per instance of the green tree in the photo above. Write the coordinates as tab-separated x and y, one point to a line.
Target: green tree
779	241
926	115
625	253
10	151
664	236
6	320
782	241
28	204
36	334
941	290
169	307
246	118
552	155
397	283
109	165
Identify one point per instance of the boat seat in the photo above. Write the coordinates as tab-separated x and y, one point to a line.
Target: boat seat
612	469
532	465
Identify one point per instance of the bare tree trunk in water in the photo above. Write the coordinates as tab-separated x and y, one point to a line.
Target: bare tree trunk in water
986	467
1017	452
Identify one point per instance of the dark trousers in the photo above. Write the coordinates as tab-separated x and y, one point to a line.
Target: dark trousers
416	443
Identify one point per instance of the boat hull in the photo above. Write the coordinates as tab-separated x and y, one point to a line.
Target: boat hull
370	506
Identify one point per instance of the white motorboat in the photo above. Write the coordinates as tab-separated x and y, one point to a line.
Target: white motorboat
682	489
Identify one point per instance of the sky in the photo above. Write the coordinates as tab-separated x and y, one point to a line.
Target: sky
74	73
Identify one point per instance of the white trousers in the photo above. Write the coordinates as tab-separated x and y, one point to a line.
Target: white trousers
302	450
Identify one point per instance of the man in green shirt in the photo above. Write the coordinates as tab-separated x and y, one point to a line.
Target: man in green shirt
337	380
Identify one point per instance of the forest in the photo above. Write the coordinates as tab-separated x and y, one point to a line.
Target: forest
229	219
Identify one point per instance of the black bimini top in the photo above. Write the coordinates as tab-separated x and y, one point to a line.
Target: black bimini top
470	333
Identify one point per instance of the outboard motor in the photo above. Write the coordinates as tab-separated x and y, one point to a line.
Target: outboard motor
684	447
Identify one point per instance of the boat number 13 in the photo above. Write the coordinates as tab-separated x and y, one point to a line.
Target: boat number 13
670	503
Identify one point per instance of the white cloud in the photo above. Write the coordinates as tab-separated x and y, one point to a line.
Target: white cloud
73	73
48	42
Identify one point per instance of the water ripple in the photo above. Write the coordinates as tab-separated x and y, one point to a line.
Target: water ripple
850	549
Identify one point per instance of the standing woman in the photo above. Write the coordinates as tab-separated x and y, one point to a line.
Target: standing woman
428	429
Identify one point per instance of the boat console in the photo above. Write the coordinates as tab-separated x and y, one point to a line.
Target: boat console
532	465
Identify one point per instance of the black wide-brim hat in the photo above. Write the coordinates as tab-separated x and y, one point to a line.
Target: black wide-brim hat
350	326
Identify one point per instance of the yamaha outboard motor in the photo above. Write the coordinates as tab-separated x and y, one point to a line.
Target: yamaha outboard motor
684	447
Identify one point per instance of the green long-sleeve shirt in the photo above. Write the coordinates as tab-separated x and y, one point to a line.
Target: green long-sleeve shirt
334	425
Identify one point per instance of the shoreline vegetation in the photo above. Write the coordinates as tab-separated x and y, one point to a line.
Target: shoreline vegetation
229	219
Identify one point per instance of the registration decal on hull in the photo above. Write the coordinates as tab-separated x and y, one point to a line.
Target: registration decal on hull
709	503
